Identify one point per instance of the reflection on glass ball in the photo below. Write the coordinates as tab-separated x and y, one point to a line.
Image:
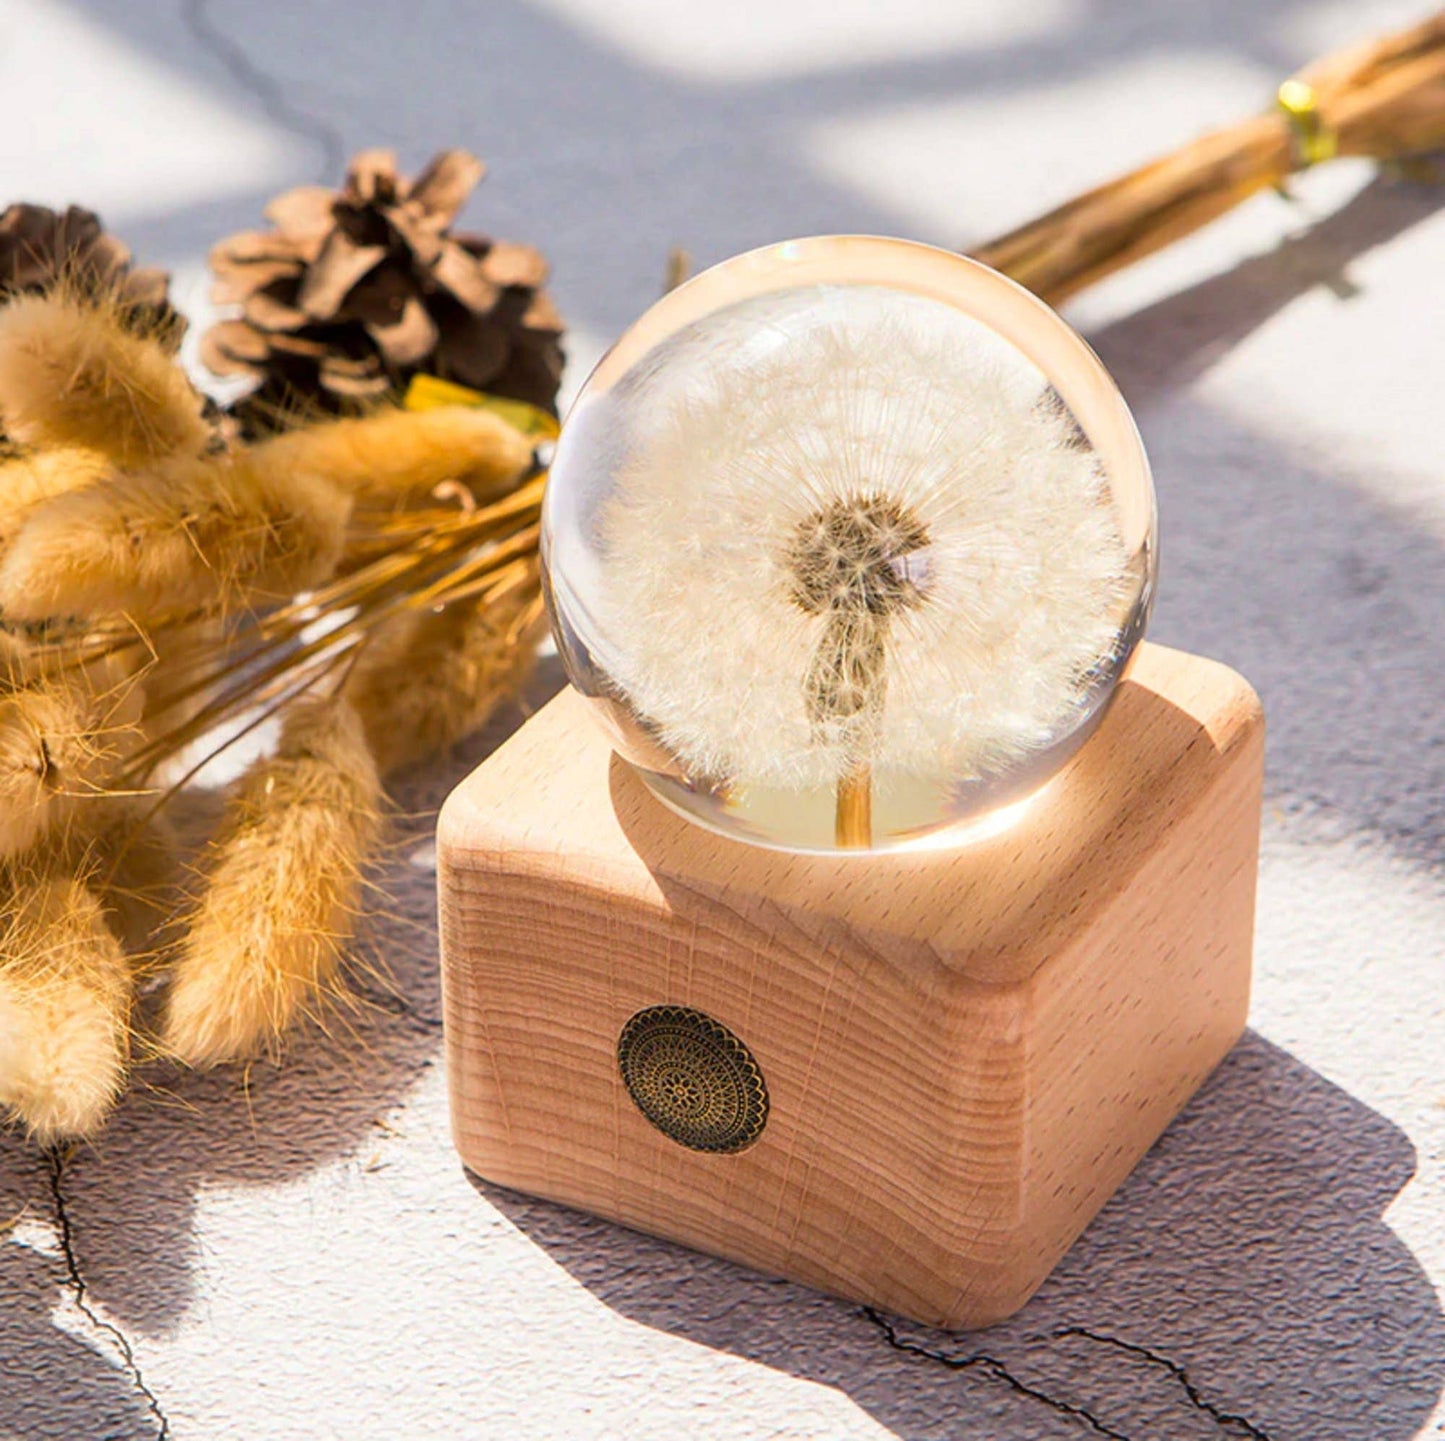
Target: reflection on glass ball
849	540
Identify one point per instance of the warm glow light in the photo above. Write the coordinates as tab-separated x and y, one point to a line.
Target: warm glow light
984	828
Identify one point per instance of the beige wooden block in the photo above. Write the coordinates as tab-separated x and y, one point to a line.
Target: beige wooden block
964	1050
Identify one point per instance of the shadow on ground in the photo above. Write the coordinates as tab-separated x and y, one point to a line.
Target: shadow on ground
1242	1283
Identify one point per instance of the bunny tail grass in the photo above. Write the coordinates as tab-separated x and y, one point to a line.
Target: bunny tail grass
216	534
26	480
283	885
61	740
396	454
429	678
73	374
65	996
42	739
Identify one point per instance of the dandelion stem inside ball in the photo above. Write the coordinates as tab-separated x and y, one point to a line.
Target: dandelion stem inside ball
849	564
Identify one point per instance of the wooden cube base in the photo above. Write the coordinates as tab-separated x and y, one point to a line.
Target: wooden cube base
914	1077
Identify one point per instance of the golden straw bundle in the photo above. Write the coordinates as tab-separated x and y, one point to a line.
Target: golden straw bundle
1384	99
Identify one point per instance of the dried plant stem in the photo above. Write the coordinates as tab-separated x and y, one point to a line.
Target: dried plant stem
65	996
678	269
282	890
1384	99
853	816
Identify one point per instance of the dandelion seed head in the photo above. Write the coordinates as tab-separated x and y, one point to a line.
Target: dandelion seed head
843	526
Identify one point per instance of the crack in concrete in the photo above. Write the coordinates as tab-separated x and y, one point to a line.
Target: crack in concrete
56	1166
1227	1419
249	76
992	1367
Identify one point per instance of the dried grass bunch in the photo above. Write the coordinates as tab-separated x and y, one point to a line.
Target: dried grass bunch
370	583
1383	99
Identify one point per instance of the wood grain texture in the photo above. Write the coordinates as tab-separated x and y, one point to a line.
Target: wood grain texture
966	1049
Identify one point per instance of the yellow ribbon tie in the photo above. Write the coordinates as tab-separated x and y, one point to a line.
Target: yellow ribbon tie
1313	139
428	392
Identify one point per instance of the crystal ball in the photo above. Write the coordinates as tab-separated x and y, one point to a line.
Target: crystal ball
848	540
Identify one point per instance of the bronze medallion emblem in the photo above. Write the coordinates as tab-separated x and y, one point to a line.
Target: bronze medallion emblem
693	1079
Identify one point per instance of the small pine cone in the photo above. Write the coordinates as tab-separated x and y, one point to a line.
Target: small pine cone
353	293
40	246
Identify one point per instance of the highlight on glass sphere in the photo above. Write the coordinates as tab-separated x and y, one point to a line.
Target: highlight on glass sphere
849	540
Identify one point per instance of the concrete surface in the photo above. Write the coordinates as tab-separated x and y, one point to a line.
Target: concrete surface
297	1253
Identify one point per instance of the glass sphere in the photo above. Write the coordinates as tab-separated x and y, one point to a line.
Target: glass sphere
849	541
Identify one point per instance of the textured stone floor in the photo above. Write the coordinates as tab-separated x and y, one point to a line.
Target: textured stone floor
301	1255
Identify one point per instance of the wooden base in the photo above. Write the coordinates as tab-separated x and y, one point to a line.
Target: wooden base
963	1051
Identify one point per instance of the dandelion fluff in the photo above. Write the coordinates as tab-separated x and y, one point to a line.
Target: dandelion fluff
856	530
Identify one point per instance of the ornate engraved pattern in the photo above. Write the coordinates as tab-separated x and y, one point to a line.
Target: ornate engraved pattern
693	1079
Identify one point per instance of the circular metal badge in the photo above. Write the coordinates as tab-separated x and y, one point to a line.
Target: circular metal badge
693	1079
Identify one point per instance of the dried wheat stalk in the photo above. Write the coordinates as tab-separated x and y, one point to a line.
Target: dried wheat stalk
1384	99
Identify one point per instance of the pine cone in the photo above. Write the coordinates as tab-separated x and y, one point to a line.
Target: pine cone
39	246
353	293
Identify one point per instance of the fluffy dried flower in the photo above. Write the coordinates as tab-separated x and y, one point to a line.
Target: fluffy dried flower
430	677
395	454
852	541
62	738
65	996
28	479
211	532
74	372
282	890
